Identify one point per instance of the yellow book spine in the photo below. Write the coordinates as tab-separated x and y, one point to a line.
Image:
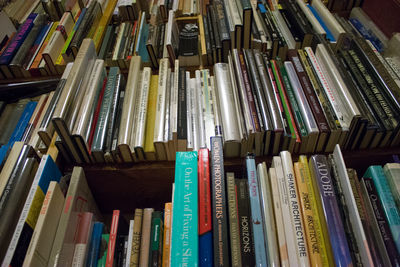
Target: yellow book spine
314	244
52	150
320	222
151	115
105	19
167	235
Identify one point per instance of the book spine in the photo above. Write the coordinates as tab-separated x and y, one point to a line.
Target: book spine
245	226
387	201
257	220
113	239
379	216
218	189
156	239
185	211
205	219
314	247
137	232
233	220
326	194
95	243
182	105
19	38
166	247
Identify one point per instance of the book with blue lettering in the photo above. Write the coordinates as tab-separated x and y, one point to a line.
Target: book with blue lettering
376	173
141	49
256	216
327	204
367	34
219	204
185	236
15	44
47	172
19	129
94	245
329	34
205	219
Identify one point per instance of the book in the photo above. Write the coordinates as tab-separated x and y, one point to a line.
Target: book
236	257
166	246
392	171
149	149
205	219
103	250
46	226
78	199
145	238
83	238
94	245
156	237
257	221
185	211
386	199
218	198
327	204
18	247
112	243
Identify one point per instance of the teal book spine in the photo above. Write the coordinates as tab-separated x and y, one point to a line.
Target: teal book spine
256	217
389	206
185	236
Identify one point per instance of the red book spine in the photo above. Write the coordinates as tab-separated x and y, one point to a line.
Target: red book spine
96	116
113	238
205	221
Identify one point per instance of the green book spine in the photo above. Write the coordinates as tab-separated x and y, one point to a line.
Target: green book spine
103	250
156	239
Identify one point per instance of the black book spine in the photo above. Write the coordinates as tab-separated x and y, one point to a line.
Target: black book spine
207	37
220	219
223	29
382	222
182	105
245	226
212	38
114	141
217	37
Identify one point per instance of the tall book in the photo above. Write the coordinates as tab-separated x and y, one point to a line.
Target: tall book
327	204
185	211
220	215
45	230
78	199
389	206
392	173
94	245
205	219
257	221
145	238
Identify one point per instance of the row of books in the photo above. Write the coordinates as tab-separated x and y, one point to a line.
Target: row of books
310	212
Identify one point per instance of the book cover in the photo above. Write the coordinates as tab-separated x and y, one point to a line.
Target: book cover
386	199
257	221
205	219
218	197
184	236
327	203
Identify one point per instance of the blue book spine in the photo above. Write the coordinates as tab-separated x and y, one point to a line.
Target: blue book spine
257	220
94	245
185	237
17	41
19	129
326	194
392	214
50	173
367	34
329	34
141	49
206	249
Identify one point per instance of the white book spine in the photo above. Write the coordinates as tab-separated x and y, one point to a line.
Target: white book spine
215	105
199	110
328	18
208	113
160	111
189	112
129	250
287	221
167	107
284	29
195	114
311	18
295	211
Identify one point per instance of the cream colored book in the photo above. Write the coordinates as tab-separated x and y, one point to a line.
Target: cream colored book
67	103
285	208
208	113
189	125
299	236
9	165
43	236
34	118
127	117
167	128
149	150
199	110
84	120
140	114
268	213
160	111
276	200
145	238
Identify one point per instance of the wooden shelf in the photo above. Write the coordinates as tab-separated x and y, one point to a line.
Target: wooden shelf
149	184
